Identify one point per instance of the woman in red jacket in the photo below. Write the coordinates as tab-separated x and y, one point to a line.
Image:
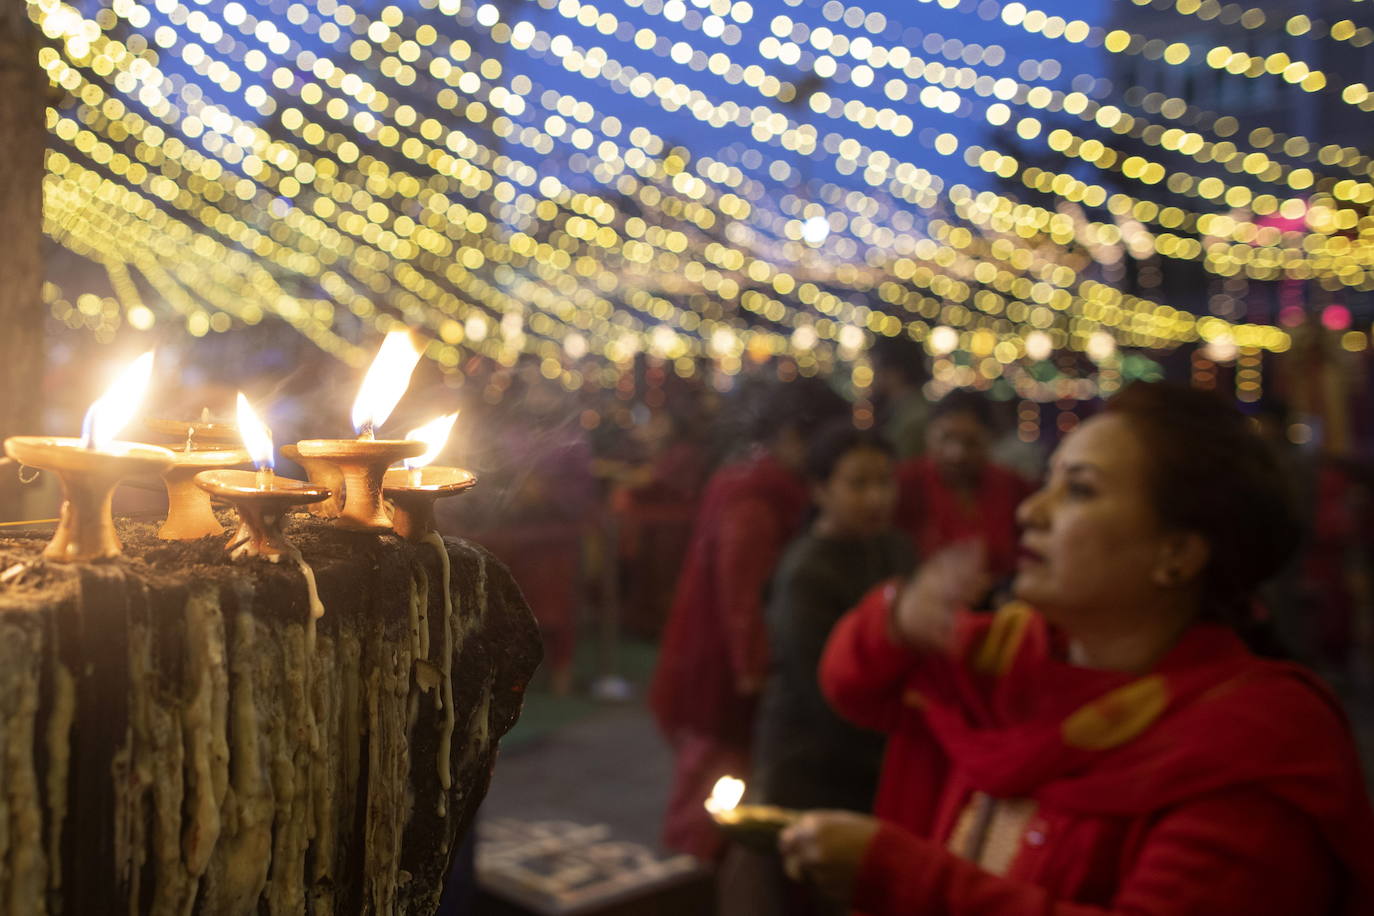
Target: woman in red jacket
1113	745
714	656
954	492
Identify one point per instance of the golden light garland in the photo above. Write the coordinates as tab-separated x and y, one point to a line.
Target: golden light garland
719	339
1134	167
937	75
989	168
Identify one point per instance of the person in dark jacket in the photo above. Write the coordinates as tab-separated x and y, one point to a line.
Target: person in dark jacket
805	755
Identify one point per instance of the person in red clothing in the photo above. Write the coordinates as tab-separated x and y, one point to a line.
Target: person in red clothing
714	655
1115	746
953	493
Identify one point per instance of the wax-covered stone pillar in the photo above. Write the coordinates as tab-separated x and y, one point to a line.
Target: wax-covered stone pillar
179	734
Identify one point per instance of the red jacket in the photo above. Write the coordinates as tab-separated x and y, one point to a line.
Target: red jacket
934	516
715	635
1218	784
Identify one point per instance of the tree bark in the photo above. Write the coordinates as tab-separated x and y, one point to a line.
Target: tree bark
22	141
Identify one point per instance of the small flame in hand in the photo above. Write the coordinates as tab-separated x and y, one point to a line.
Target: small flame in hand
385	382
113	410
434	435
257	438
726	795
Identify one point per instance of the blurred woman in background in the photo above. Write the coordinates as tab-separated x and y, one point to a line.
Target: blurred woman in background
954	493
1115	745
714	655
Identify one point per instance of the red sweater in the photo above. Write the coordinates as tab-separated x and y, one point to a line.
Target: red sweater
934	516
715	634
1219	784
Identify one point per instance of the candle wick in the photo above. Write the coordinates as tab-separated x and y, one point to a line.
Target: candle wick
88	431
190	433
367	432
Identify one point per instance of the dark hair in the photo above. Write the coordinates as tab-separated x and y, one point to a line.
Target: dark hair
961	400
831	444
1211	473
805	404
902	355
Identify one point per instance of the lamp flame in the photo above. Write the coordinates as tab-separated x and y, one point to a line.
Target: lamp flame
257	438
434	435
113	410
385	382
726	795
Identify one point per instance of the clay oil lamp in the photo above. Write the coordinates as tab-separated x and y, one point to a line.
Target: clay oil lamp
414	489
260	497
89	468
756	826
362	462
321	473
189	512
192	435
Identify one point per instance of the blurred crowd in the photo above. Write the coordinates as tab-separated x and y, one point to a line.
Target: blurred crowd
591	496
738	529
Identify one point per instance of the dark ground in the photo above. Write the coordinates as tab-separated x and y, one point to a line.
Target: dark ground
578	759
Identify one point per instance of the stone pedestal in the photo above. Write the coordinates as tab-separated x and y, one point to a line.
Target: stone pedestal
179	734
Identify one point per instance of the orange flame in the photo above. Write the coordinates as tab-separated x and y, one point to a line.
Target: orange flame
257	438
726	795
113	410
434	435
385	382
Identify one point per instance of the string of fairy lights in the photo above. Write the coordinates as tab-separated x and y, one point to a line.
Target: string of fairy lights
333	169
1061	140
1155	103
785	45
1139	165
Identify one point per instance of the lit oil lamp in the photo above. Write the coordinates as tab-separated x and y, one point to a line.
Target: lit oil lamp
362	462
414	489
192	435
90	467
189	512
260	497
757	826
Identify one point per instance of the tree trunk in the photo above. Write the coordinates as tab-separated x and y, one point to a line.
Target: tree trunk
22	140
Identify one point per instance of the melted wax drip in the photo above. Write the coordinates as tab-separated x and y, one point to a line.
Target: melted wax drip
436	541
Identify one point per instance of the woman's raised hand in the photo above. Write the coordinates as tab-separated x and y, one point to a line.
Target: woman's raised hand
951	579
